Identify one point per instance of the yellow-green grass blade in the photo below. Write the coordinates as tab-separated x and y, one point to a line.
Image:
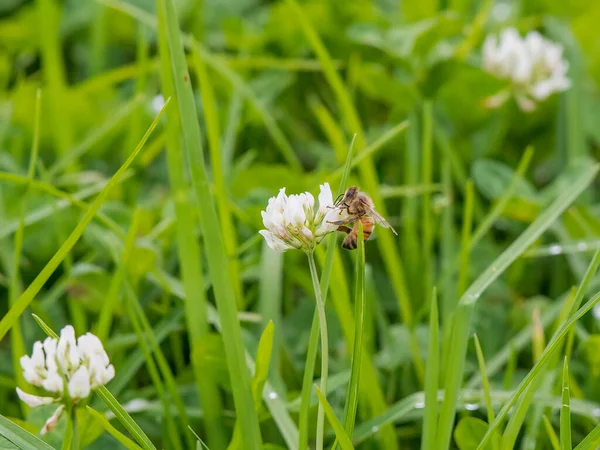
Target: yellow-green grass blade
431	378
427	231
213	240
171	437
20	438
465	309
188	250
123	440
551	434
565	411
340	433
211	119
359	328
17	309
591	441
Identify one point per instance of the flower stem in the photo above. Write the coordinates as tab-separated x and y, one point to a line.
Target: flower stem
75	442
324	347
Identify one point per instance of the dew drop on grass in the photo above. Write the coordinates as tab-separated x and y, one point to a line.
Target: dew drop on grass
375	429
582	246
471	406
554	249
420	405
272	395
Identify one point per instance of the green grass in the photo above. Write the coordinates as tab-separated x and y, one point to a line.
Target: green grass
141	225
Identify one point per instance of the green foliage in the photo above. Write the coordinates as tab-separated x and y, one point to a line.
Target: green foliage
149	238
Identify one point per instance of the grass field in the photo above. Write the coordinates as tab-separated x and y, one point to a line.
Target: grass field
139	142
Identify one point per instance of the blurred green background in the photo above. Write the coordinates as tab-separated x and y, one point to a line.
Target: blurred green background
280	122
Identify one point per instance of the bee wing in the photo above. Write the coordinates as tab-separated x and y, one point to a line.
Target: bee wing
379	220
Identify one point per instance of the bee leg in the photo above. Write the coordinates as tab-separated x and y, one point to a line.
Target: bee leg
350	243
345	229
339	222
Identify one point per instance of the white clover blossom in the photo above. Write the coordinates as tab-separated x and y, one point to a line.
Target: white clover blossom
533	65
66	367
292	222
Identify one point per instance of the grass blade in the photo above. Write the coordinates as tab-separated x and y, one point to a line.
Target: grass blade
188	251
464	313
211	230
431	378
19	437
340	434
565	411
123	440
359	325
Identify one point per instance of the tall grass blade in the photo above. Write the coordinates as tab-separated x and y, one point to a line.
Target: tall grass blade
431	378
209	224
565	411
123	440
337	426
359	325
188	250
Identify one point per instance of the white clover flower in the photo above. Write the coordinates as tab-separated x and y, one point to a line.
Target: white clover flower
534	66
68	368
292	222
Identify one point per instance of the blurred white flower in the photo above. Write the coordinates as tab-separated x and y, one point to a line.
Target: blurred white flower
292	222
534	66
65	366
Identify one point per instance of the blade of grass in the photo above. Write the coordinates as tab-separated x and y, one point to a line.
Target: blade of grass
486	224
16	336
161	360
19	437
591	441
551	433
17	309
123	440
565	411
54	74
211	118
463	273
431	378
213	239
188	250
359	325
464	312
171	437
115	120
337	426
426	267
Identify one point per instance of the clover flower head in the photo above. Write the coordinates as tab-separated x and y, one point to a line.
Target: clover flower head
67	368
293	222
533	65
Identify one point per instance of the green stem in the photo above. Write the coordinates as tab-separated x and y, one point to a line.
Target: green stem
75	441
324	346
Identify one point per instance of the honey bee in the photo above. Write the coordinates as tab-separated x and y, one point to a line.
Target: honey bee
360	208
